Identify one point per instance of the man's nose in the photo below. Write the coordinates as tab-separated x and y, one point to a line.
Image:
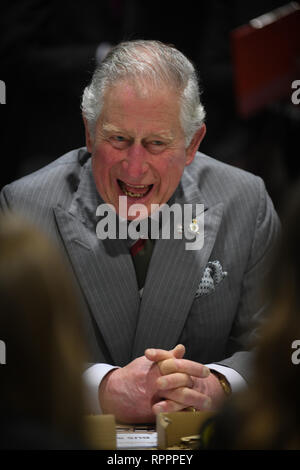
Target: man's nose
135	162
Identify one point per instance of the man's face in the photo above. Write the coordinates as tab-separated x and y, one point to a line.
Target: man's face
138	150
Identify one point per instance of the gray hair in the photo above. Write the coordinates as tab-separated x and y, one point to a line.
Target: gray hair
145	62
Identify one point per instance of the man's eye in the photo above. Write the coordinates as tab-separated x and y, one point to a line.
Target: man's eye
118	141
157	142
156	146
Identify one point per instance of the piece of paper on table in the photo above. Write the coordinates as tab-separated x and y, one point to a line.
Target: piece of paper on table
136	440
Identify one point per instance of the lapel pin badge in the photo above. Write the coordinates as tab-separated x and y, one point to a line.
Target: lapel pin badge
193	228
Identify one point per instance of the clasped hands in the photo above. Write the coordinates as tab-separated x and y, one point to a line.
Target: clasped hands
159	381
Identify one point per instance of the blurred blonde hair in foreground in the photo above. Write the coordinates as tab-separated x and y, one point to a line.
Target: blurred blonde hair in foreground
40	323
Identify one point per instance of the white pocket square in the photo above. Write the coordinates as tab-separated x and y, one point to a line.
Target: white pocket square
213	275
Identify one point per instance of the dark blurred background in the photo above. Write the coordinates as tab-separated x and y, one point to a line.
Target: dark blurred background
49	51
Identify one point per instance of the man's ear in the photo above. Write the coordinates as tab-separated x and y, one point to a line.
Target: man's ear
88	137
194	145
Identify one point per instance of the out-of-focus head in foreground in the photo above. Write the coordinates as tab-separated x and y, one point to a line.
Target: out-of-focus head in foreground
41	393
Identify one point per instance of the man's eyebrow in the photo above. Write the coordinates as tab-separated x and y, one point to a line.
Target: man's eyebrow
162	135
107	128
111	128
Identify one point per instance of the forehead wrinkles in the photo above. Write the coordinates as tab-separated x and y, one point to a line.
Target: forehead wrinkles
124	95
154	113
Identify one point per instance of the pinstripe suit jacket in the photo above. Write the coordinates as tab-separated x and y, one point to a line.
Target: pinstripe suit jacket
240	228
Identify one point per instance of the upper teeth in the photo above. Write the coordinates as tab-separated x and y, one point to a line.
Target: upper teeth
138	186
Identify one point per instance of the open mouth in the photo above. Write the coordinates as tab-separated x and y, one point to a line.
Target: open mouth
135	190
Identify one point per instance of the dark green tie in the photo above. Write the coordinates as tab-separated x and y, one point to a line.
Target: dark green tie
141	253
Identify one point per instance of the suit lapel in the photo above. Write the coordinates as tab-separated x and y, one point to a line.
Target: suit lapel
172	281
104	270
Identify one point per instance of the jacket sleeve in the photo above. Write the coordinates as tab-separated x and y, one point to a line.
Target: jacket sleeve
4	204
252	306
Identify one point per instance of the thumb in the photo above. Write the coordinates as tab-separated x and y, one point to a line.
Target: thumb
178	351
157	355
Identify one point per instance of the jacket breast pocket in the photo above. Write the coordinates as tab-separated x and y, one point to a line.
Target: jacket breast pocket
212	277
209	323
